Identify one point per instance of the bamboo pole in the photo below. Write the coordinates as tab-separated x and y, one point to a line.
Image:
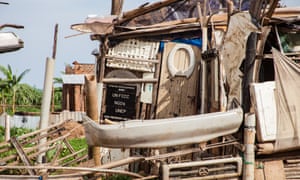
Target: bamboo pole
249	142
92	110
7	127
203	21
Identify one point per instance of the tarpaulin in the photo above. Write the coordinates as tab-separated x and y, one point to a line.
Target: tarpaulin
287	84
184	9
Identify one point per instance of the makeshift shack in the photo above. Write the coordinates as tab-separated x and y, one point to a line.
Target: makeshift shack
197	90
171	60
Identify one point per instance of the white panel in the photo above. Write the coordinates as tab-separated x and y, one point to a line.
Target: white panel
265	107
73	78
147	88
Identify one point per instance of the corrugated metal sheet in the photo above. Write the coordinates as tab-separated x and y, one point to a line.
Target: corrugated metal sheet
32	122
29	122
66	115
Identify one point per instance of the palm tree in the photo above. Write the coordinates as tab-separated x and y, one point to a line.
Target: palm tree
56	92
3	94
11	82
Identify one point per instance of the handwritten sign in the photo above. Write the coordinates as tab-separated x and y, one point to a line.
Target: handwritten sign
120	102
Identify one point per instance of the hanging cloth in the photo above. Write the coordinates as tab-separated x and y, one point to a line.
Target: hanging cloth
287	86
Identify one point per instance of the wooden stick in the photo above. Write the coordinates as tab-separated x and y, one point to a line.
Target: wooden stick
145	9
121	162
128	80
55	41
70	155
71	176
22	155
110	171
132	59
41	130
12	26
107	121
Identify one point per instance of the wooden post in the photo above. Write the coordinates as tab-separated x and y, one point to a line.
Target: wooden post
77	98
203	88
7	127
54	56
249	142
47	94
92	110
116	7
46	103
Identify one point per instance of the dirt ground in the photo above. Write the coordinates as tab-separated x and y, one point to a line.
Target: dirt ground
78	132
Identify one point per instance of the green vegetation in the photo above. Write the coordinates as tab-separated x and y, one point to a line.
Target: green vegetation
10	84
76	143
17	97
2	135
14	132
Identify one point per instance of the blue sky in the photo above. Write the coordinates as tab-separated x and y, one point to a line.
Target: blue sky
39	18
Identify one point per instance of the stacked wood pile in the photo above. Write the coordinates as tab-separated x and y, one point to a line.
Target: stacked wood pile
21	152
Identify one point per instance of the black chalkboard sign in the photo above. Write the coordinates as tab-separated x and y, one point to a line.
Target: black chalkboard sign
120	102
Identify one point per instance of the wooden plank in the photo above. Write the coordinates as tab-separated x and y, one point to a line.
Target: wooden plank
145	9
128	80
177	95
73	176
259	174
152	111
82	169
132	59
164	99
143	111
274	170
155	31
